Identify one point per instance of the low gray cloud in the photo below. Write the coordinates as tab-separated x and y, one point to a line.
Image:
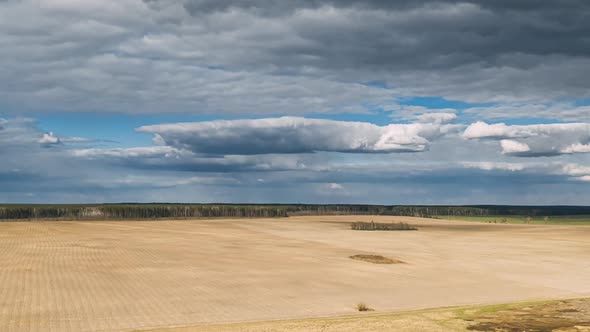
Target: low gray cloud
564	111
294	57
166	158
295	135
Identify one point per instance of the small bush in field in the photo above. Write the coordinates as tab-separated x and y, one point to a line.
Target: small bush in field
363	307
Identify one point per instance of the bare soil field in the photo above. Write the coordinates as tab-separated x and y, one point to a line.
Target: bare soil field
141	275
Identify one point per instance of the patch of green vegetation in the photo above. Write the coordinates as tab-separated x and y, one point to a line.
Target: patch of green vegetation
522	220
543	316
469	313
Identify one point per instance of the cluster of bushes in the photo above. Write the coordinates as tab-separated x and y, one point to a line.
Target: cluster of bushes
374	226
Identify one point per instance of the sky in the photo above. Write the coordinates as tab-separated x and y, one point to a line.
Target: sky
300	101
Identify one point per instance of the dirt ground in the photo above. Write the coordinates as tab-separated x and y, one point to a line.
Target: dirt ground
132	275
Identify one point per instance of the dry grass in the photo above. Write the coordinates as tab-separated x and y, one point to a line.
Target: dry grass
565	315
375	259
373	226
569	315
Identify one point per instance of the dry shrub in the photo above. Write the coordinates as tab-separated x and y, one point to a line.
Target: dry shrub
363	307
375	259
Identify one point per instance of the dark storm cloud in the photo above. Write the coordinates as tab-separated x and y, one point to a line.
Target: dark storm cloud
281	7
469	50
428	34
288	57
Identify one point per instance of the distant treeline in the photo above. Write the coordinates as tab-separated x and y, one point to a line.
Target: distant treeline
439	210
158	211
138	211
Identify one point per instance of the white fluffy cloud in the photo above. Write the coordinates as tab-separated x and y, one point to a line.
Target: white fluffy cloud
576	171
421	113
49	139
295	135
437	117
490	166
513	147
335	186
146	152
534	140
576	148
500	130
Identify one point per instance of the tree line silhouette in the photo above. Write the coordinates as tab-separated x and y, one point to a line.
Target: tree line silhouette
161	211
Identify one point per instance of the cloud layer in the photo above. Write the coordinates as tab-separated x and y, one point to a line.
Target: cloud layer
306	56
295	135
534	140
228	161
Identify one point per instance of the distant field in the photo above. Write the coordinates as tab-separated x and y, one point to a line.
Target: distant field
553	220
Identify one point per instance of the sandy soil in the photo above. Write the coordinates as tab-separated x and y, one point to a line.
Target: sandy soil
104	276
